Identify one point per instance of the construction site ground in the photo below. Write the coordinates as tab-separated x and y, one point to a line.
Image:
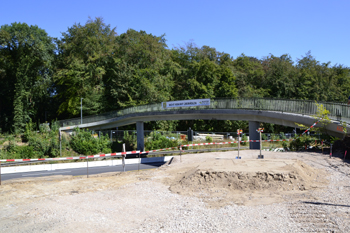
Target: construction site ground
202	192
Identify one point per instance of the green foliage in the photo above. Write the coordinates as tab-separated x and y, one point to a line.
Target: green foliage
84	143
40	144
285	146
84	54
159	141
282	136
322	117
26	56
300	142
244	138
208	139
130	140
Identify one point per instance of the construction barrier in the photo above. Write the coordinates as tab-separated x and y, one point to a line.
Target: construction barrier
120	154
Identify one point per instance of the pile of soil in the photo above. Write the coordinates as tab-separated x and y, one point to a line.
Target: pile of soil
248	177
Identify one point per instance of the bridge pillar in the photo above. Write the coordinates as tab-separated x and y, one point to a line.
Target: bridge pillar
140	136
253	135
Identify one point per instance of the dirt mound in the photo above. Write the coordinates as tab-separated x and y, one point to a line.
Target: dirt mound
248	177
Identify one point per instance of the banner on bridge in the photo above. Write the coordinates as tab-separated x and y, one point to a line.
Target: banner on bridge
186	103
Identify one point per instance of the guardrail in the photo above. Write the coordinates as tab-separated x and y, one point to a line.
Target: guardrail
338	111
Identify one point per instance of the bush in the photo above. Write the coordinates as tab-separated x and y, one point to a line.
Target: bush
40	144
84	143
130	141
285	146
244	138
300	143
13	151
282	135
264	137
159	141
208	139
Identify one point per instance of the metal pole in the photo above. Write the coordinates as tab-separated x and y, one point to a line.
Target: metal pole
123	157
139	161
87	166
260	143
0	172
180	152
238	145
60	137
81	110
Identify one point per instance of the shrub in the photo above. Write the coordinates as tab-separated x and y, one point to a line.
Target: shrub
40	144
285	146
130	140
282	135
300	143
84	143
208	139
159	141
244	138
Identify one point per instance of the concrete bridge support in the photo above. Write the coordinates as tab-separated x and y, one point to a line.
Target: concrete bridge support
140	135
253	135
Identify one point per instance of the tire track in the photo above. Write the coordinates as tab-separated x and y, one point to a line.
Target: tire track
312	218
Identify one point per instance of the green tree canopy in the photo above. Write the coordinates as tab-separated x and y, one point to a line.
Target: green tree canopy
26	55
85	52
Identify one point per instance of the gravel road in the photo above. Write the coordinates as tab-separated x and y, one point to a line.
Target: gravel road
142	202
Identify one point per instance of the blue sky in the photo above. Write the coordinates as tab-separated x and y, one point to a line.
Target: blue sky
254	27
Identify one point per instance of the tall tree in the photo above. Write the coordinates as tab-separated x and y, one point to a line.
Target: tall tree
251	79
26	55
84	54
280	76
142	71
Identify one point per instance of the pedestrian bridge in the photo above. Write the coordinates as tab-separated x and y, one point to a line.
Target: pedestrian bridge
281	112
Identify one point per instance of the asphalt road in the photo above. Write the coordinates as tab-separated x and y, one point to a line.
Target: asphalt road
81	171
104	169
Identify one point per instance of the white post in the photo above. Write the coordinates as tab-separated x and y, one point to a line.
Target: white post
260	142
239	145
239	132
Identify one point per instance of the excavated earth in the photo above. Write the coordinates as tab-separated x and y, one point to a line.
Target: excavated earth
205	192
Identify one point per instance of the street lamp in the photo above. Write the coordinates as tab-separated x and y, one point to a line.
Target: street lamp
81	110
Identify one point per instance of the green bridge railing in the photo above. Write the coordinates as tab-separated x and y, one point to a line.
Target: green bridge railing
338	111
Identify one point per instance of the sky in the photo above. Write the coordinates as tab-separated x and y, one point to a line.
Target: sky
257	28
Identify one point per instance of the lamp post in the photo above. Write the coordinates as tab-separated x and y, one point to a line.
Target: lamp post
81	110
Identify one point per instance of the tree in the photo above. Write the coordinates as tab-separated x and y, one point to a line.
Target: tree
250	77
142	71
85	52
280	76
26	55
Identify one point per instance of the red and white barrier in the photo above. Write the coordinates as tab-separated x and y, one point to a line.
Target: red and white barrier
222	143
120	154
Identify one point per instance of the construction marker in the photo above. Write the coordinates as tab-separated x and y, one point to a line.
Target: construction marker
311	127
